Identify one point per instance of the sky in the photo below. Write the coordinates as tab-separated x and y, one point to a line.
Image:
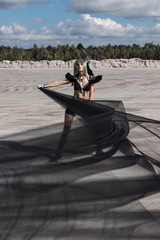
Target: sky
24	23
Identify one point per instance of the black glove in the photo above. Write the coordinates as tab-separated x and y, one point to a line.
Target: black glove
70	77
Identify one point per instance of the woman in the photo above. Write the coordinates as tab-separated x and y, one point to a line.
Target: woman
83	82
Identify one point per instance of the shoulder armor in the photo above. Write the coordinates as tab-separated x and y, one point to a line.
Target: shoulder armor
95	79
70	77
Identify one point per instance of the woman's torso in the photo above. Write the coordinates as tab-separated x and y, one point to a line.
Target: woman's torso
81	88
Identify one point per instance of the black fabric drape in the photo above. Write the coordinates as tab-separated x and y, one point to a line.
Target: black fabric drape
83	196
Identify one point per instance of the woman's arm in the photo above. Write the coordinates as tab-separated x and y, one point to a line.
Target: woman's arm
91	92
54	84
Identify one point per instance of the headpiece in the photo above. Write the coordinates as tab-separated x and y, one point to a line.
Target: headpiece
84	67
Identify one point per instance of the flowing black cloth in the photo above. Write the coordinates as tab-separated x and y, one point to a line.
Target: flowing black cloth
85	195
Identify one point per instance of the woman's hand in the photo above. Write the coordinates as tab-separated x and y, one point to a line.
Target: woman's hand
40	86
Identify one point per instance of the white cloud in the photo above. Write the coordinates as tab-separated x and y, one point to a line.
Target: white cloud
5	4
124	8
8	4
38	19
18	29
18	32
46	30
5	30
89	30
92	26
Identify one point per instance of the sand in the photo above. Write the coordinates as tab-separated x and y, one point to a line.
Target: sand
24	107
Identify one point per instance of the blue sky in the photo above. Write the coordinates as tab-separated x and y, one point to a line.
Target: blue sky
94	22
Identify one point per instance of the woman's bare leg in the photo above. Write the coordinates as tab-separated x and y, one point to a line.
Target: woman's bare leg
68	119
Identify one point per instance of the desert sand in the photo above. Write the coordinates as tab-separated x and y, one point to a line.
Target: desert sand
24	107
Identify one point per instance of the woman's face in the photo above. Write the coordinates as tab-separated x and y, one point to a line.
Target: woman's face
79	67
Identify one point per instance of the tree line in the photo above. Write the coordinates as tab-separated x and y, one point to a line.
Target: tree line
66	52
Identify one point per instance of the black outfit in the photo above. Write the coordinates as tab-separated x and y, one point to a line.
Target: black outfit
70	111
78	87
